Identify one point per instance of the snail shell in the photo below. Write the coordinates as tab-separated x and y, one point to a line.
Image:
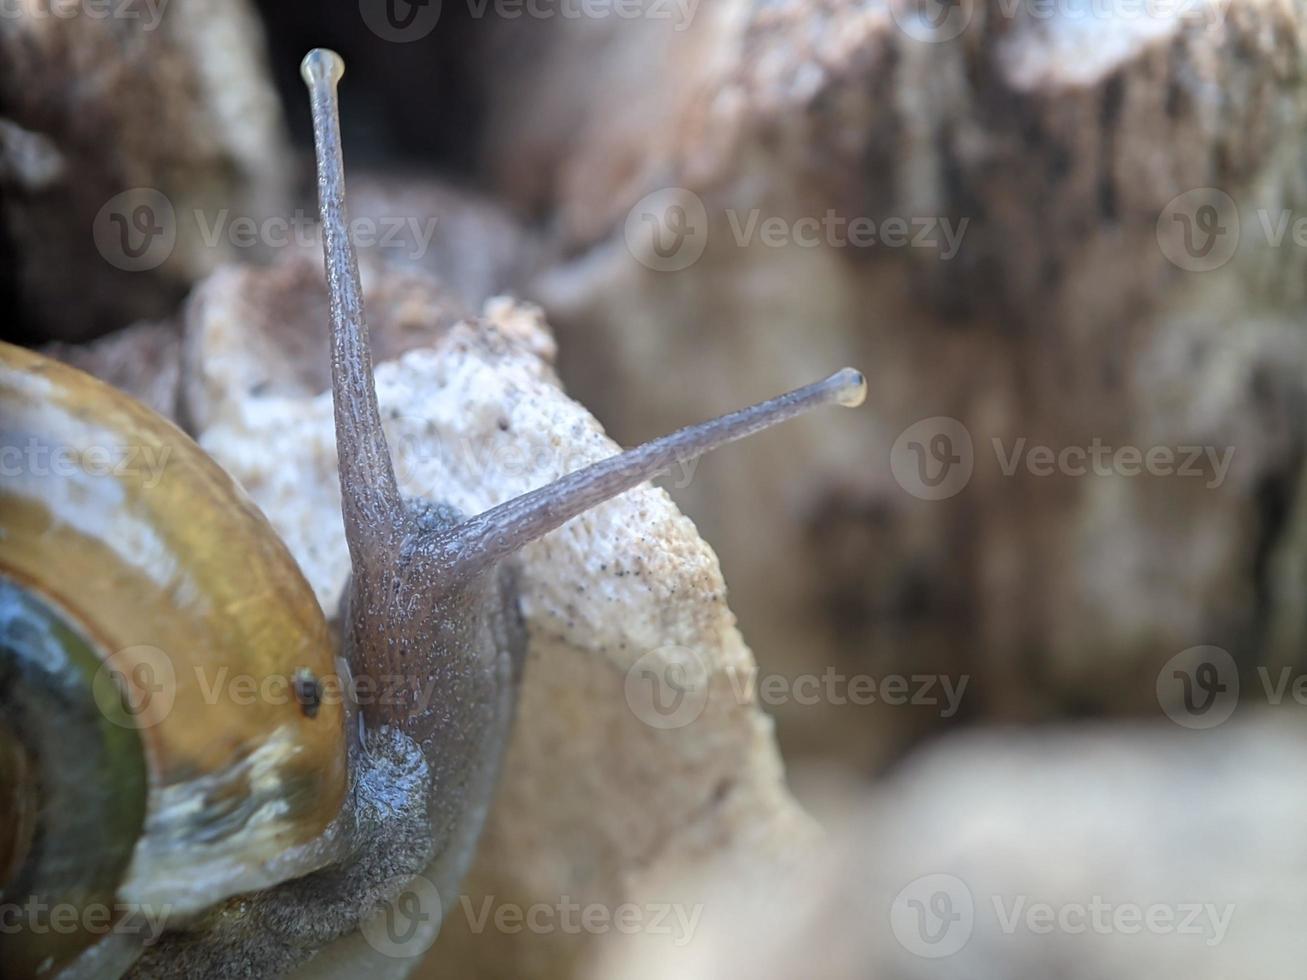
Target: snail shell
137	585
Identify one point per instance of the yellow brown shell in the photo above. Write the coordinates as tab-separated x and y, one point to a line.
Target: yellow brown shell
146	572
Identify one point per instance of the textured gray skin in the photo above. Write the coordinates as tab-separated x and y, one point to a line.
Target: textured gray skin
421	786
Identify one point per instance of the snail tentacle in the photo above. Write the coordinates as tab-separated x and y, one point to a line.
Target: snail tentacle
370	495
496	533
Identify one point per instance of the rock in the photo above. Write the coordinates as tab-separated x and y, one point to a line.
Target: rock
607	786
143	360
1127	852
1027	172
472	245
112	189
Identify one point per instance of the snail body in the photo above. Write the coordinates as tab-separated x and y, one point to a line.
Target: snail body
270	831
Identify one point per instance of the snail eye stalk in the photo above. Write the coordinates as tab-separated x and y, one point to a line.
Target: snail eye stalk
501	530
370	496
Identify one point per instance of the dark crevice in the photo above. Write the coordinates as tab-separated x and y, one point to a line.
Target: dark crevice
414	103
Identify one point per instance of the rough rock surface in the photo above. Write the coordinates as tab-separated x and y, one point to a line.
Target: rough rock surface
1129	852
602	792
1070	311
111	190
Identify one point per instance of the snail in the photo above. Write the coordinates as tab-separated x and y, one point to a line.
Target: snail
263	832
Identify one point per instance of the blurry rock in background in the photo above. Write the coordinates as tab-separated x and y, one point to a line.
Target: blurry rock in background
1028	288
1125	852
126	144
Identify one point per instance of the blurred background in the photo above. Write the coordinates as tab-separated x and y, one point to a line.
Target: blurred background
1031	623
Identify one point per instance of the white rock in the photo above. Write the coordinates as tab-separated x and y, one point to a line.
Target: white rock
603	793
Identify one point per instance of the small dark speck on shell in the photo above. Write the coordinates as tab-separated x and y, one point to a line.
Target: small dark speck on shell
308	692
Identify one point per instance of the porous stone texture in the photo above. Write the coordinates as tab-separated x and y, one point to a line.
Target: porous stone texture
611	781
1085	292
1077	852
111	188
